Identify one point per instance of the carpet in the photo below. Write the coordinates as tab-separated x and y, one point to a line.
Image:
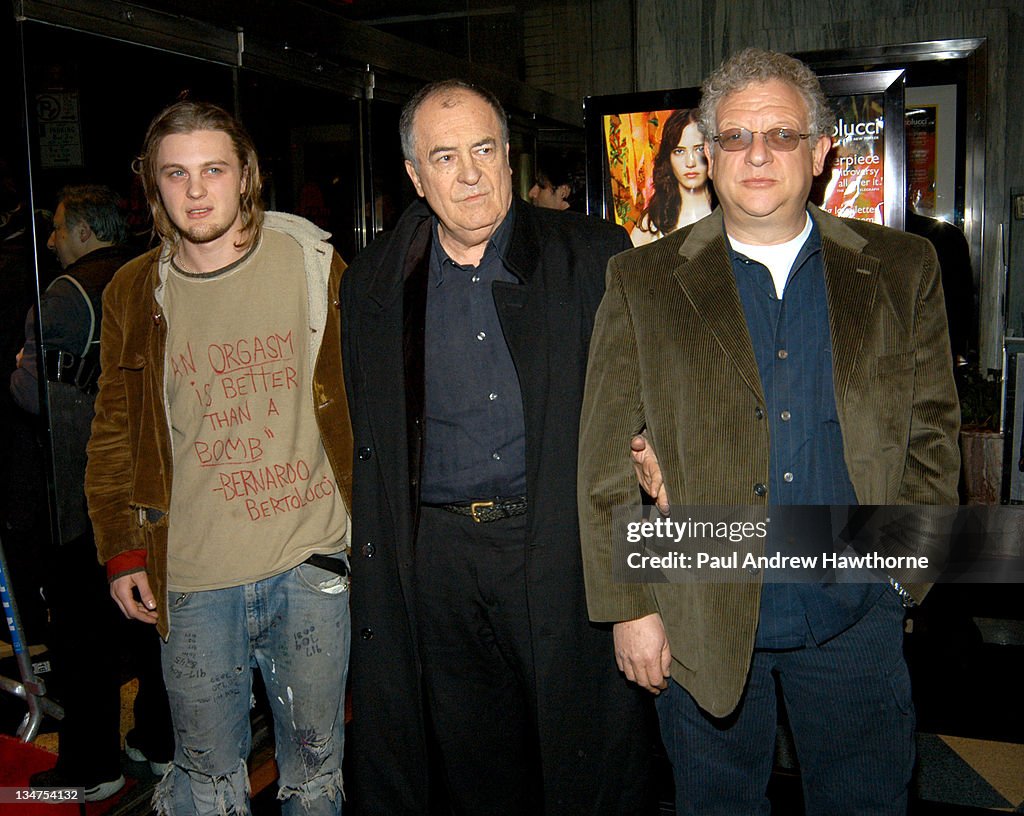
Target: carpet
19	760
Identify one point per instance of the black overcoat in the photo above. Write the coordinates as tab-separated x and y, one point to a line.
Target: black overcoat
592	724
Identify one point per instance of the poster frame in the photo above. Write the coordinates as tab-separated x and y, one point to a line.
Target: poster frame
889	84
1012	483
944	100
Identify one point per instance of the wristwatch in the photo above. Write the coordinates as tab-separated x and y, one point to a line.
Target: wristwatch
905	597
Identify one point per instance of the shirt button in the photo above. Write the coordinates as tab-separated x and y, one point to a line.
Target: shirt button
369	550
496	456
492	396
782	354
785	415
366	634
365	453
760	489
787	476
481	335
759	412
475	279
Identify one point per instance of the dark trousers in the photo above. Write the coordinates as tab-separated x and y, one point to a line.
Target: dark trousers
89	635
849	706
473	625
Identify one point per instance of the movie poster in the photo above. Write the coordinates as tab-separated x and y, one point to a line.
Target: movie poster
631	139
921	155
656	186
855	187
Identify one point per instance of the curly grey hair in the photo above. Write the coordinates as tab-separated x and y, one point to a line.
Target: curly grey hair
755	65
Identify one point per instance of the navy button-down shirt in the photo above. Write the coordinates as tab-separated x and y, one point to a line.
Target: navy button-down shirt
793	346
474	434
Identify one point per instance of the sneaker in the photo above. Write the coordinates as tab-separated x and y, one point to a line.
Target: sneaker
103	790
135	755
55	778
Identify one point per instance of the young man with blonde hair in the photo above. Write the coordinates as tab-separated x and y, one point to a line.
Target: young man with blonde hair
219	467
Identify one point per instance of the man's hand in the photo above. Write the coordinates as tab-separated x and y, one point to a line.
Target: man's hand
642	652
121	591
648	472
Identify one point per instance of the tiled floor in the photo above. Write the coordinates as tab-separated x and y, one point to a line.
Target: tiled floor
982	773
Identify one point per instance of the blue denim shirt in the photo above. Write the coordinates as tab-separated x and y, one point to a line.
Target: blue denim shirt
793	346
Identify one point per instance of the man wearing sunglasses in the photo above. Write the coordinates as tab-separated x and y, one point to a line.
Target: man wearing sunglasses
772	355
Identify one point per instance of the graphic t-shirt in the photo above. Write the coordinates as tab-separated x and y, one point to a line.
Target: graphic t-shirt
253	493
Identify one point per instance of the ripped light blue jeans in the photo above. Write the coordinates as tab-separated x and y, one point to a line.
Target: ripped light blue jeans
296	628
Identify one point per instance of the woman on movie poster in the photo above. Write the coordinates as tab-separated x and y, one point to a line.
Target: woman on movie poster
658	172
682	191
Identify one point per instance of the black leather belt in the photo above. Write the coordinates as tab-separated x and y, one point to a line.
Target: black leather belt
329	563
490	510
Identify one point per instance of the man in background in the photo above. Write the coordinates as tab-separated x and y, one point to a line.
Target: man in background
957	278
88	238
559	180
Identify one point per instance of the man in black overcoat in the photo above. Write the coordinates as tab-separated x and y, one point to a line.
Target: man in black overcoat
465	338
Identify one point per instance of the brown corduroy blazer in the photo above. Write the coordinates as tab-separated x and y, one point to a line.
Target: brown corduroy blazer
671	354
